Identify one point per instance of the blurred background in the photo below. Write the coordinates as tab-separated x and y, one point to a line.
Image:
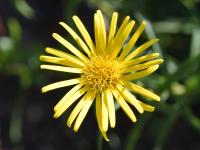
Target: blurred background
26	121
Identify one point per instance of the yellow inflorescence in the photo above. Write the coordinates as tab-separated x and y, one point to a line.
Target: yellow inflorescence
101	73
106	69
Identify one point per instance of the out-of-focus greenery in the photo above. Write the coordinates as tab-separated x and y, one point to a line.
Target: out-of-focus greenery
25	114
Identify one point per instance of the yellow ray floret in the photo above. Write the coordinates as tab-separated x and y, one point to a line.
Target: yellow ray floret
77	110
69	101
84	33
129	98
60	84
140	49
124	105
141	74
111	107
132	41
76	37
142	66
141	59
61	68
67	57
104	112
70	47
84	111
68	95
106	67
113	26
99	115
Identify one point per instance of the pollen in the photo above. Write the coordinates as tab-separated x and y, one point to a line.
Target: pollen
101	73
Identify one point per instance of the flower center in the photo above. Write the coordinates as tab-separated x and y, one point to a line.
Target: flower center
101	73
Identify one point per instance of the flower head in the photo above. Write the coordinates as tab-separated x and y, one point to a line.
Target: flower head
106	69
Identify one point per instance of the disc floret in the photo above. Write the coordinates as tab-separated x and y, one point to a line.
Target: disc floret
101	73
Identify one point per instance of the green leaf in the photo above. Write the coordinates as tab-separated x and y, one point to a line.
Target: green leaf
14	28
195	44
23	7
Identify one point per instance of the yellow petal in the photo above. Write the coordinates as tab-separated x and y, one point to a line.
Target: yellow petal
104	135
102	31
130	98
142	66
113	26
74	60
69	101
61	68
119	33
140	59
140	90
146	107
111	107
55	60
76	37
84	33
70	47
124	105
104	113
98	110
76	110
60	84
132	41
141	74
123	25
82	114
140	49
68	95
120	39
99	115
97	33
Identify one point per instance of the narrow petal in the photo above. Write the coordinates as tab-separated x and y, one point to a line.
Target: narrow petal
97	33
78	62
140	59
104	113
123	25
119	40
111	108
141	74
104	135
56	60
60	84
76	110
113	26
84	33
69	101
119	33
84	111
130	98
132	41
140	49
124	105
61	68
102	31
140	90
70	47
142	66
146	107
68	95
76	37
99	115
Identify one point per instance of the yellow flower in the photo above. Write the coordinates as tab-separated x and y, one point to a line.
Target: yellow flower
106	69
